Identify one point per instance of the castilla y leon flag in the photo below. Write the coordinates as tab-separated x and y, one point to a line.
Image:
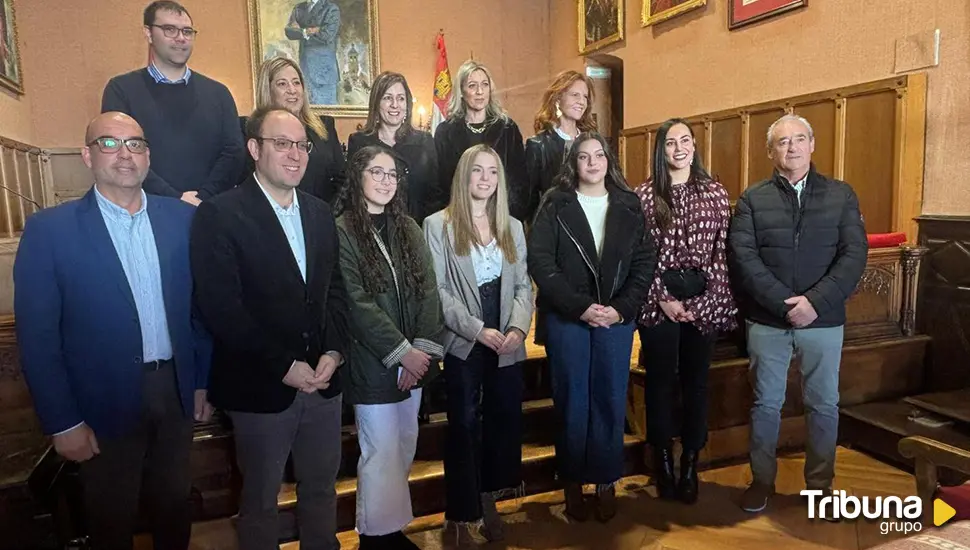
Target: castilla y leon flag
442	85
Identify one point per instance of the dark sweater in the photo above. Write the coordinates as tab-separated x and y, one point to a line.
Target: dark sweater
192	131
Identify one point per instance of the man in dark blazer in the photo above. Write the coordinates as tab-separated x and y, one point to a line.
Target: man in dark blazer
115	361
265	261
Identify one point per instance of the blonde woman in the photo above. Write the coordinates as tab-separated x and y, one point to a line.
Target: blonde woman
479	258
476	116
281	84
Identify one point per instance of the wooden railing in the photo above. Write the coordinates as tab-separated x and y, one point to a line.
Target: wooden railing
25	185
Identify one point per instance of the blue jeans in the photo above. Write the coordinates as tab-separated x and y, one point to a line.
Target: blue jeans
771	351
590	368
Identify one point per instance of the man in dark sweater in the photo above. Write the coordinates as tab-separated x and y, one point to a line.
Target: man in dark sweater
190	120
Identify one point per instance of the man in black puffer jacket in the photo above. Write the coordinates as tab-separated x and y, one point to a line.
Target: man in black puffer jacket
797	249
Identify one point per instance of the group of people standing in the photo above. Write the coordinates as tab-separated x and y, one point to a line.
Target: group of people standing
305	278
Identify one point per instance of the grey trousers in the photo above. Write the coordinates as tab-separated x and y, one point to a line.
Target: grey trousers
310	429
770	350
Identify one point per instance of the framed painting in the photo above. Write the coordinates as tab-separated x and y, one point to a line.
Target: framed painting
745	12
655	11
335	42
11	72
600	24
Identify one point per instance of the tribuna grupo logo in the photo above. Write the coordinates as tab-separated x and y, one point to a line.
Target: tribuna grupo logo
897	515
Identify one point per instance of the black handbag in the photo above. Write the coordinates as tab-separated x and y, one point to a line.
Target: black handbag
684	283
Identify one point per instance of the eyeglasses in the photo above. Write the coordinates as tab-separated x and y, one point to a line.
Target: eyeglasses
171	31
108	144
380	176
283	145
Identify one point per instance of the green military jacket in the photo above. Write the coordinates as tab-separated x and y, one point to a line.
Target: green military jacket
386	326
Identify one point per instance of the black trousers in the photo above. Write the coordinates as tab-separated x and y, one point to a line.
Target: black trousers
483	452
669	351
154	459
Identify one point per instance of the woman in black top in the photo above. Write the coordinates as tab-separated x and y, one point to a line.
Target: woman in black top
475	116
281	84
564	113
389	125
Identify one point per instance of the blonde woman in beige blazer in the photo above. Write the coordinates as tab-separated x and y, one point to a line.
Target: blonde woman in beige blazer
479	258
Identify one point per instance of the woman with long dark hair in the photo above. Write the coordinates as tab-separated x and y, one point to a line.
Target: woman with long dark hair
396	324
480	263
475	115
687	212
592	261
389	125
281	84
564	113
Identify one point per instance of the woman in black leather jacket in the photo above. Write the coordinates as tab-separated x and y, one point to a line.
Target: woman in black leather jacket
475	116
592	261
389	125
565	112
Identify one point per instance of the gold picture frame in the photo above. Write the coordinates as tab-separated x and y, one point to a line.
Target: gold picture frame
656	11
278	27
11	66
606	26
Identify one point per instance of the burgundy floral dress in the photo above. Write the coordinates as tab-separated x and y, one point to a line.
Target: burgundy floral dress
696	238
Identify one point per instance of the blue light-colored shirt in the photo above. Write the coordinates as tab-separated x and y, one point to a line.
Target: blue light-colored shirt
799	187
134	242
159	78
292	224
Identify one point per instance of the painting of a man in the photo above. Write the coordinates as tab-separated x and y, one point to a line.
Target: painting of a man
315	25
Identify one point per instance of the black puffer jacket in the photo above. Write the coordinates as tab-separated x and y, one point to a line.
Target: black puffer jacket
779	249
543	161
563	262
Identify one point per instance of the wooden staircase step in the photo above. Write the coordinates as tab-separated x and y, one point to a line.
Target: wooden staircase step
878	427
427	481
951	404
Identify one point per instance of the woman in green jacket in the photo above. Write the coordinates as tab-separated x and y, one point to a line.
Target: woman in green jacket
397	328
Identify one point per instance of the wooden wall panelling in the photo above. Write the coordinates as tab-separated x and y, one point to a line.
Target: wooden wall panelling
759	165
870	135
633	149
726	152
700	139
943	307
822	116
870	132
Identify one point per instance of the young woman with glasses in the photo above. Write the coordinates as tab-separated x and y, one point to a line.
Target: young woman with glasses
396	324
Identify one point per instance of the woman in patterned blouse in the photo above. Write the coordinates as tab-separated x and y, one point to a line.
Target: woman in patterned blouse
687	213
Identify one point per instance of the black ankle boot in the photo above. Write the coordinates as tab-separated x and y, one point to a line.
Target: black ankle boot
687	488
663	472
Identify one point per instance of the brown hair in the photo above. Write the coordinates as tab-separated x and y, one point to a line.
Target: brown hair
546	118
459	211
381	84
264	95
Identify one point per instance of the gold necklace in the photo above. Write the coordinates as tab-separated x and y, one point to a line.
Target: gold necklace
476	130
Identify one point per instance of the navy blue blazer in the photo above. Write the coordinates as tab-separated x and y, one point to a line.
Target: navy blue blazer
77	326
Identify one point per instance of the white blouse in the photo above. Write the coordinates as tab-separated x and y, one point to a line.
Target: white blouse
595	209
487	261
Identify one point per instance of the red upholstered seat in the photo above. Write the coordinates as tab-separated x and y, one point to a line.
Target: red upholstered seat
886	240
959	498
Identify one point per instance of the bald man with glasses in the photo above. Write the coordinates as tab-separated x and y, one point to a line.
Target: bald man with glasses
112	353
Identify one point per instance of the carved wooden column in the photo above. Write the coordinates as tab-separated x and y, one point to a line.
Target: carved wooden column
912	256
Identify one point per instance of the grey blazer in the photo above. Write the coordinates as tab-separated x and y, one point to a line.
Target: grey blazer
460	299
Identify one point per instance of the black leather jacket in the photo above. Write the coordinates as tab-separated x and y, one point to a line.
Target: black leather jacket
569	274
543	159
